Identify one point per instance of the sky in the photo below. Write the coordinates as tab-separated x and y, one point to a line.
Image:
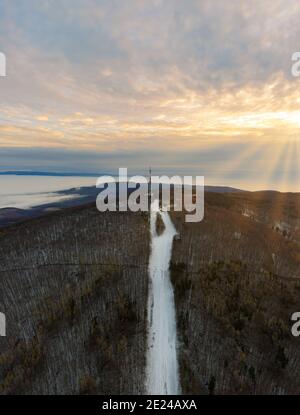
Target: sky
188	87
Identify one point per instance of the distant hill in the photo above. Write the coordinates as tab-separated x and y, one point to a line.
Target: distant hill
87	194
222	189
50	174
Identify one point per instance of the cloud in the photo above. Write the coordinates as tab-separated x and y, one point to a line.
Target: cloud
110	76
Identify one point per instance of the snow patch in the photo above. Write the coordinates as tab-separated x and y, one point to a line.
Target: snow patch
162	364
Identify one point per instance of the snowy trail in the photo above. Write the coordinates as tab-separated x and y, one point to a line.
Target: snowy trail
162	364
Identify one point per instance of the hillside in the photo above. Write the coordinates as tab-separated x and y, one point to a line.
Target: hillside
237	283
75	287
74	290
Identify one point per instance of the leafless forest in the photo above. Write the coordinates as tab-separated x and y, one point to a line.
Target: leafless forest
236	278
74	289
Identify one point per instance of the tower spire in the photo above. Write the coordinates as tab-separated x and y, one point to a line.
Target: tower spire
149	190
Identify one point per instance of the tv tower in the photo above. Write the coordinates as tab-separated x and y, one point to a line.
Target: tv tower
149	190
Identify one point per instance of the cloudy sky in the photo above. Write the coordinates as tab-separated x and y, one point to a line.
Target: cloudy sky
188	87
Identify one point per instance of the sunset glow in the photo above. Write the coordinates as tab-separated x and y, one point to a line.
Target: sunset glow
125	95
